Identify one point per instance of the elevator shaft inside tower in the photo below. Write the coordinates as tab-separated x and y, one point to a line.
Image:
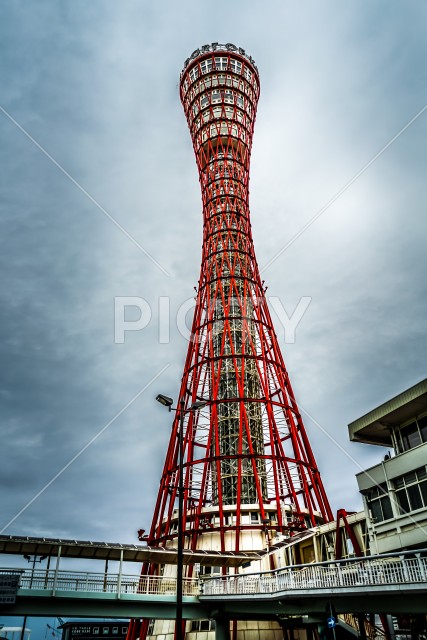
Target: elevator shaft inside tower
234	336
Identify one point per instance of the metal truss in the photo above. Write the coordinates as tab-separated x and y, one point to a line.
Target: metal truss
247	452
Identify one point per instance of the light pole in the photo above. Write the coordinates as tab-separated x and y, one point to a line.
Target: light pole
28	559
34	560
196	406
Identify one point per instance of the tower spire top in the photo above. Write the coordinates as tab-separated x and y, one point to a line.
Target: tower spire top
216	48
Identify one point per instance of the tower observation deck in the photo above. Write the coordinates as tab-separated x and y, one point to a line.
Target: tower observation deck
249	474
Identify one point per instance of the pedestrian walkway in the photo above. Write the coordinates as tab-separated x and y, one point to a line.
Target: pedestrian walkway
394	583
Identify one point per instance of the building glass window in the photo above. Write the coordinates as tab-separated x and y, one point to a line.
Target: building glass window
207	570
202	625
236	66
206	65
412	435
379	503
415	499
194	74
422	424
247	73
411	490
221	64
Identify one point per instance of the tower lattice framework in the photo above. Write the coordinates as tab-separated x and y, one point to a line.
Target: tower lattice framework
248	464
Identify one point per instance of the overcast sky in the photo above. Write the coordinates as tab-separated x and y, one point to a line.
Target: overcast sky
96	86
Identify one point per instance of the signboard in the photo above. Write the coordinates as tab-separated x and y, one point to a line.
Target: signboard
99	630
207	48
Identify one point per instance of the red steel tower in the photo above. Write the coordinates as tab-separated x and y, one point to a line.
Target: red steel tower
249	475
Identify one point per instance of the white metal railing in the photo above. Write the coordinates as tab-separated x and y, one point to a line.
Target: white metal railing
392	569
105	583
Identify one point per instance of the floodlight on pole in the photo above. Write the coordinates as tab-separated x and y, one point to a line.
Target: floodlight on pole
166	401
199	404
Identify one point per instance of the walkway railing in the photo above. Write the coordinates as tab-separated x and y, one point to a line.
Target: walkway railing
105	583
407	568
371	571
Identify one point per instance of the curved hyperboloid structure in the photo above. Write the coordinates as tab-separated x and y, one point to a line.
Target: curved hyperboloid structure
250	477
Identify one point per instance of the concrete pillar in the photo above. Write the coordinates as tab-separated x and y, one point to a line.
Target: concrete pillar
387	621
222	629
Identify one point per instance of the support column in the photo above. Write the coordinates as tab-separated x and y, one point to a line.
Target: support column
361	624
222	629
119	578
106	574
309	632
46	580
55	579
387	622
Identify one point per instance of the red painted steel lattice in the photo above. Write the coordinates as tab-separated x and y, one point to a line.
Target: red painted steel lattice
249	445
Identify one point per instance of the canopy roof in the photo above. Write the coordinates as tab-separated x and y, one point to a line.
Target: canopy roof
20	545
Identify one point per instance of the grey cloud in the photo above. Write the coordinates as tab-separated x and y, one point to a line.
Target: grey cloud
97	86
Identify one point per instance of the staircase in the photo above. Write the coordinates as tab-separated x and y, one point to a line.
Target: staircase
349	622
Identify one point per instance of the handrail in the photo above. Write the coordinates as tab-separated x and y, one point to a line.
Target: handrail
404	568
355	560
353	573
44	580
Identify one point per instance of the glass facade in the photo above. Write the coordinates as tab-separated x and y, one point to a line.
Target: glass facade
411	490
409	493
411	435
379	503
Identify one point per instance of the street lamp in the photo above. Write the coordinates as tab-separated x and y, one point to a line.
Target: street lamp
196	406
34	560
165	401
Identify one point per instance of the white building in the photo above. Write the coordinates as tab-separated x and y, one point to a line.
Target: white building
395	490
